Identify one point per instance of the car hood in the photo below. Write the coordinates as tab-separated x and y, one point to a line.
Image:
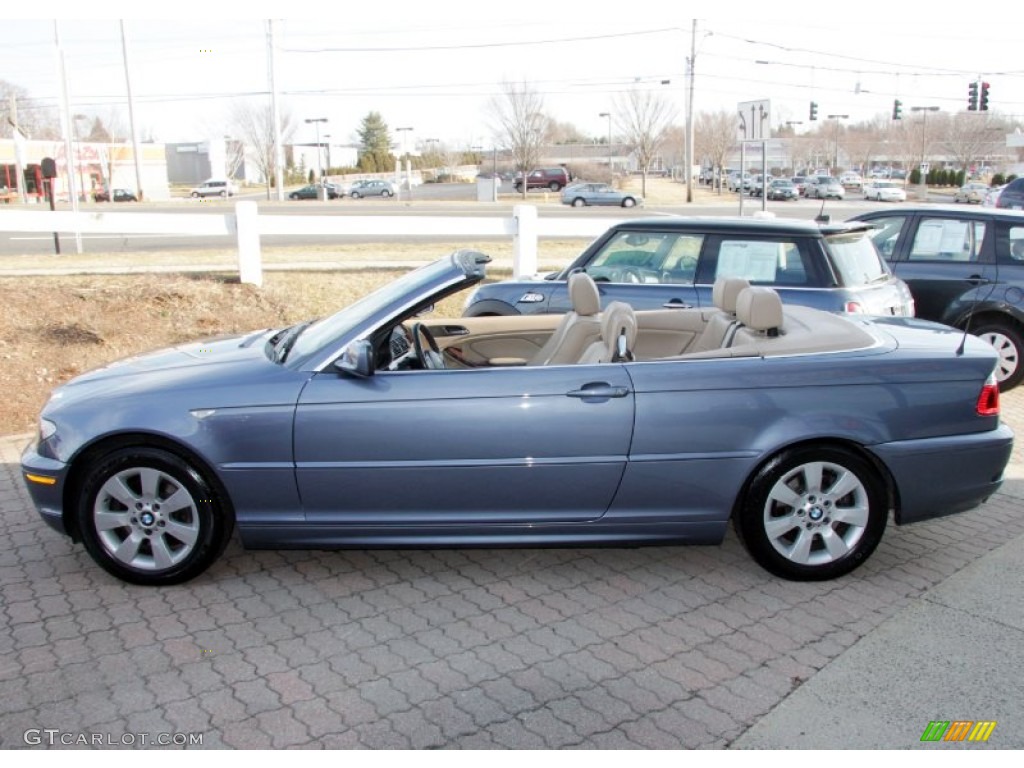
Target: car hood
185	365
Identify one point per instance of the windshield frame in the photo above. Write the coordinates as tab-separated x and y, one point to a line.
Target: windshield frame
323	340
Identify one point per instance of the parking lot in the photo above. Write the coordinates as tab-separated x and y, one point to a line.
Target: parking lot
599	648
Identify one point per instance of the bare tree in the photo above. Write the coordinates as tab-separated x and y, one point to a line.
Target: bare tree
254	123
518	120
968	136
35	120
643	117
714	134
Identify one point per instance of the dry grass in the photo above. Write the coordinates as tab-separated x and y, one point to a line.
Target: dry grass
64	326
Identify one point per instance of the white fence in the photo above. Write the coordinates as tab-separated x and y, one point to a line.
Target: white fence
247	225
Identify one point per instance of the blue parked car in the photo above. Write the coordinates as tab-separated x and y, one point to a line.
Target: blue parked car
376	427
673	262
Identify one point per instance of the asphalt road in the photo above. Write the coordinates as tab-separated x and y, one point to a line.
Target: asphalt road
427	201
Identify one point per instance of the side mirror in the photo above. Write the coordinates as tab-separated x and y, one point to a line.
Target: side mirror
357	360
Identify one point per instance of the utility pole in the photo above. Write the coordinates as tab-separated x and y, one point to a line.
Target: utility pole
66	123
19	139
275	109
131	118
689	116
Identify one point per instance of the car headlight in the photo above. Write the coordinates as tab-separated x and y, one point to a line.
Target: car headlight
47	429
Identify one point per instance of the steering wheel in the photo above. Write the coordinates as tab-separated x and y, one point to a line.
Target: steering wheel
429	355
629	275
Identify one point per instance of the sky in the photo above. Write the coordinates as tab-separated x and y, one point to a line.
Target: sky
434	66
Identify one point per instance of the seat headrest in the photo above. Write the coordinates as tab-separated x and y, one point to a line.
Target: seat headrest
726	291
583	294
759	308
617	318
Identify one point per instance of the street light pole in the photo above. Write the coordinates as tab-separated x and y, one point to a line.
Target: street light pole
78	142
319	160
405	152
611	174
924	123
835	156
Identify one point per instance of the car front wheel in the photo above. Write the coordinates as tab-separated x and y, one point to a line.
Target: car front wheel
385	193
629	202
354	195
1008	342
149	517
813	513
579	202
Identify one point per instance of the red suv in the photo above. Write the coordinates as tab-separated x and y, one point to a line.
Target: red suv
545	178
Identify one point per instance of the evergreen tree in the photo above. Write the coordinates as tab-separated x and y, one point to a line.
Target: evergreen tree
375	145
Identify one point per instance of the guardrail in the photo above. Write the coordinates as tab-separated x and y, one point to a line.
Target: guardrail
247	225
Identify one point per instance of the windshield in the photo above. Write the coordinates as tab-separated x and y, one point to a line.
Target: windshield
856	259
411	285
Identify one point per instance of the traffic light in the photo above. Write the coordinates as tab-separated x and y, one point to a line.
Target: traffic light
972	97
897	110
983	101
814	110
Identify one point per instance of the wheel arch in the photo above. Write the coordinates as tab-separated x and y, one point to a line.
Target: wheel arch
491	307
892	491
107	444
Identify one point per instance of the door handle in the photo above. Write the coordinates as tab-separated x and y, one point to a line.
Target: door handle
676	304
450	330
978	280
598	390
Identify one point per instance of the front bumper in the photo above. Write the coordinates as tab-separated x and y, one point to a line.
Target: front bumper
44	479
945	475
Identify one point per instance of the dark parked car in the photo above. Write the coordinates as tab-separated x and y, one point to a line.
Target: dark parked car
375	427
119	195
1012	196
312	192
545	178
650	263
965	268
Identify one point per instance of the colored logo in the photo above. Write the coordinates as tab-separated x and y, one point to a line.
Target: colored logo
958	730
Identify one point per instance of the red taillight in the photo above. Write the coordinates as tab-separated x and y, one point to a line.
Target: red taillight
854	308
988	400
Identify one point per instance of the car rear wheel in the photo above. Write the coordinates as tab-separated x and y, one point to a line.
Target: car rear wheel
385	193
1008	342
579	202
554	186
195	194
629	202
354	195
149	517
813	513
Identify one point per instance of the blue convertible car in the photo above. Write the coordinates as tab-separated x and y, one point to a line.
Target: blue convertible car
378	427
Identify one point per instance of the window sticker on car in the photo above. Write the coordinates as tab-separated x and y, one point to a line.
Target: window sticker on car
938	237
753	260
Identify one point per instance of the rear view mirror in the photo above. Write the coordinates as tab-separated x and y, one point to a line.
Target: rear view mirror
357	360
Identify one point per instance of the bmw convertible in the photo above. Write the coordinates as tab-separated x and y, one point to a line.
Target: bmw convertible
383	426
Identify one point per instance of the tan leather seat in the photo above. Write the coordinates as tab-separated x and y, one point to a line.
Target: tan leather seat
722	324
759	311
618	336
578	329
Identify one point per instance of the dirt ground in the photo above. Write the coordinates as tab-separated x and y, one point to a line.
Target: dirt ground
54	328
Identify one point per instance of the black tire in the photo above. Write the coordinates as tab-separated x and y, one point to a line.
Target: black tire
629	202
806	533
1008	343
579	202
354	195
128	486
554	186
385	193
223	193
195	194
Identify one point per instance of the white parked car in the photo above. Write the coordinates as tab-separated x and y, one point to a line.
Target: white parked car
885	191
992	197
851	179
214	188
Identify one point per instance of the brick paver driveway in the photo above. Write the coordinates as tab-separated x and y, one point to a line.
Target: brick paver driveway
655	647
